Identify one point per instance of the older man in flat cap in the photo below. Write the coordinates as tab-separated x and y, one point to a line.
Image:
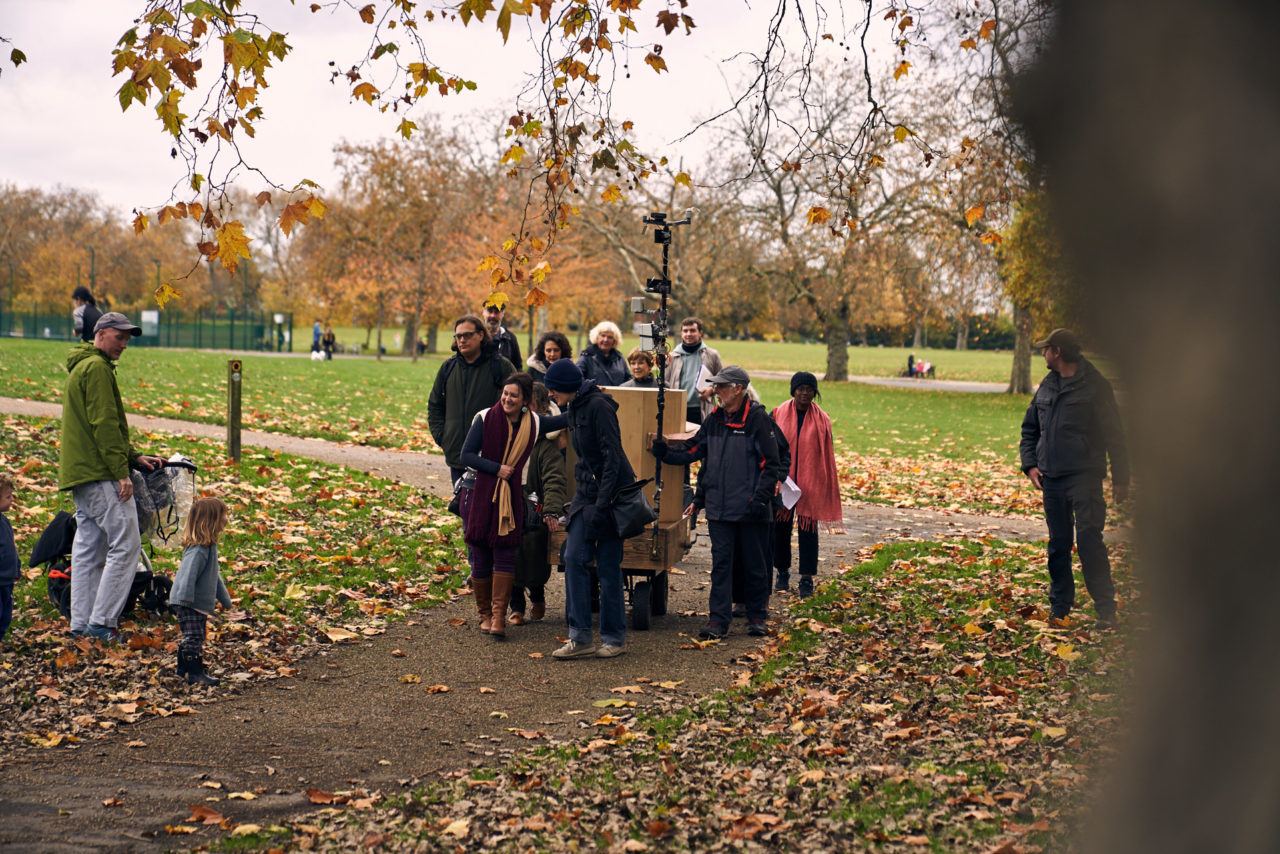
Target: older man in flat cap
94	464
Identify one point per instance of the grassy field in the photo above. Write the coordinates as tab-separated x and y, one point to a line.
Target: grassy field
970	365
907	447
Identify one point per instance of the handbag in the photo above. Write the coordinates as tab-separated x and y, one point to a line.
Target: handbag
631	510
468	482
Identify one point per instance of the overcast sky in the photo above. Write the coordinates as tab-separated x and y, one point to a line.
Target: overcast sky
61	123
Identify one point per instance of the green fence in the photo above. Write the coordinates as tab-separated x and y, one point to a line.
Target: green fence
200	330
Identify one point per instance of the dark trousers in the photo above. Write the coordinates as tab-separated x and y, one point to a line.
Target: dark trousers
1075	501
739	571
729	540
782	548
6	608
537	595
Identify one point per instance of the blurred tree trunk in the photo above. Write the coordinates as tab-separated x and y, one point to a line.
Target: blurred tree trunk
1132	176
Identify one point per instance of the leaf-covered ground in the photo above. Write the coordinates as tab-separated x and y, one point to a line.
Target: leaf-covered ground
921	701
313	554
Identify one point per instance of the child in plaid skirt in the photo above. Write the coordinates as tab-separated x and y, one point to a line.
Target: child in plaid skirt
198	587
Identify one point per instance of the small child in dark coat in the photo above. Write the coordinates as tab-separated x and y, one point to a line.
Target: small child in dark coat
10	568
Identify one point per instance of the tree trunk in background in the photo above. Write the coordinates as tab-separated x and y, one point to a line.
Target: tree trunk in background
918	338
1133	174
1020	373
835	329
378	351
962	333
433	338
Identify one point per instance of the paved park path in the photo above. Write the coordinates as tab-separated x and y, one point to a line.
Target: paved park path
347	722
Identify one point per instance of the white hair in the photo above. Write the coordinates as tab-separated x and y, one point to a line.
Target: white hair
606	326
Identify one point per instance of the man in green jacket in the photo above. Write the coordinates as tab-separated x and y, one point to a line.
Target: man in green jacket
94	464
466	384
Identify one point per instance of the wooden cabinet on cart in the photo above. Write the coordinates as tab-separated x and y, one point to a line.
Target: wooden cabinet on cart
645	561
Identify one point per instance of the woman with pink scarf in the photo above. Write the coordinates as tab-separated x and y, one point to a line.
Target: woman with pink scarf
813	469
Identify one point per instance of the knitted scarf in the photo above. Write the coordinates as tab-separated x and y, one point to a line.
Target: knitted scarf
813	464
496	515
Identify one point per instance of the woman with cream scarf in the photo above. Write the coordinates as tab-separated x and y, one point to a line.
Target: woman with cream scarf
497	448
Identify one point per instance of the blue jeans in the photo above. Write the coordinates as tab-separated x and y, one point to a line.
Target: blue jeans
578	552
1075	501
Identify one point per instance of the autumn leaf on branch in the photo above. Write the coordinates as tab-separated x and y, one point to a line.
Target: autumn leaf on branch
817	215
166	292
974	214
232	245
497	300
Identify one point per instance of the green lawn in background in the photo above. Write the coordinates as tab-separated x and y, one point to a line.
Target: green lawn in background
385	403
969	365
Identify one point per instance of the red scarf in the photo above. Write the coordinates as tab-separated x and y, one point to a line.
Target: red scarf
819	484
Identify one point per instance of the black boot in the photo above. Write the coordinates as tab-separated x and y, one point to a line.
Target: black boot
805	589
782	581
195	674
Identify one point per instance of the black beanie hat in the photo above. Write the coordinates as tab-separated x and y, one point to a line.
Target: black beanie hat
803	378
562	375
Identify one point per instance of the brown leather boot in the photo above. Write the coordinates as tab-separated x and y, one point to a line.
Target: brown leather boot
483	588
502	584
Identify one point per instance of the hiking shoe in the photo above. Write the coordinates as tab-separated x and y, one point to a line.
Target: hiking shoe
106	634
805	590
712	631
1106	622
756	627
573	649
608	650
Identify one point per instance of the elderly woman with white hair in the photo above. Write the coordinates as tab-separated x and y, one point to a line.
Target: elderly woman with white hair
602	361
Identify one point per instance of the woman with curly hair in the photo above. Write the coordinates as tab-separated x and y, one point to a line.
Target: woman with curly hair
552	345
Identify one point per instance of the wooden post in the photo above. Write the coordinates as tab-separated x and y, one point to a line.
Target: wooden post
234	373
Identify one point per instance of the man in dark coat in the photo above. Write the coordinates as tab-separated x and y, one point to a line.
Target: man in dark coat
467	383
1070	430
508	345
602	469
738	443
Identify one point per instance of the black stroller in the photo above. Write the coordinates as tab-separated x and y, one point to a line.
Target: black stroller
162	497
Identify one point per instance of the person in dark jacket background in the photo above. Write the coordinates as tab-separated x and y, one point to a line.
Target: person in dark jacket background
552	345
467	383
602	469
86	313
602	361
739	447
1071	428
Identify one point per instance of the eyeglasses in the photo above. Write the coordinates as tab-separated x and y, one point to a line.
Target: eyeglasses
463	336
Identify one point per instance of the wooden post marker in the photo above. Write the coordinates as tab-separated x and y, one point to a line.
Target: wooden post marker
234	374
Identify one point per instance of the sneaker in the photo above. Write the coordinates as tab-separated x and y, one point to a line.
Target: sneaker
712	631
106	634
573	649
608	650
757	628
1105	622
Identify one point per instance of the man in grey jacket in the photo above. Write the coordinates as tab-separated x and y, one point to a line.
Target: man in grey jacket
1070	430
686	361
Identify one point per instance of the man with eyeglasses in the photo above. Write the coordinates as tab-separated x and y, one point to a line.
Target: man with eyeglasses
467	383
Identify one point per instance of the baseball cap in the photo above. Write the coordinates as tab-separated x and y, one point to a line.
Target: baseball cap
732	375
1063	339
116	320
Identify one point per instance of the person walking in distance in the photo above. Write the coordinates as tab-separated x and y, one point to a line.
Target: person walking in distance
1071	428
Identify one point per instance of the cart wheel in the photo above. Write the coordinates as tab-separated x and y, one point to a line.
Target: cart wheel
660	595
641	605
